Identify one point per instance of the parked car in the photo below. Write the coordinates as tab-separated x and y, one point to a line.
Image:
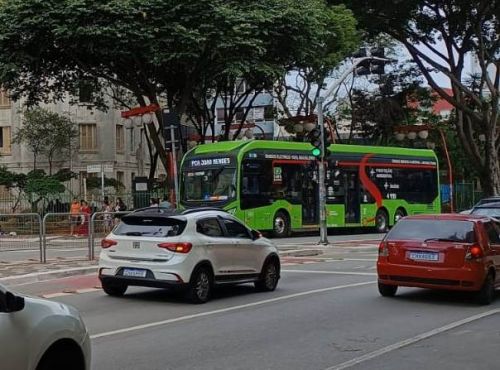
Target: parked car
193	251
490	209
448	251
40	334
493	199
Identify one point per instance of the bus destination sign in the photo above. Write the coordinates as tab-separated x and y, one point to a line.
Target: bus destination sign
209	162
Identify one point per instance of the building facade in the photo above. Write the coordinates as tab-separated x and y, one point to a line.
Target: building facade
103	139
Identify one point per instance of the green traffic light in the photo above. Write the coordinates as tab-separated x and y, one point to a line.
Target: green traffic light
316	152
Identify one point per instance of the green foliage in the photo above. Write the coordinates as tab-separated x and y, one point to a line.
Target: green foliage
95	183
46	133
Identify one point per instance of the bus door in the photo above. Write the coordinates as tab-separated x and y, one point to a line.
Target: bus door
352	196
310	194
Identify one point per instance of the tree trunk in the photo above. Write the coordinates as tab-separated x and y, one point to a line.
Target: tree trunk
490	176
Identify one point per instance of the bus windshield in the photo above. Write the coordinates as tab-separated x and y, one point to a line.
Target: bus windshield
209	185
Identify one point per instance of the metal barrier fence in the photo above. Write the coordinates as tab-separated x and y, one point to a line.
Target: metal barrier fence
21	231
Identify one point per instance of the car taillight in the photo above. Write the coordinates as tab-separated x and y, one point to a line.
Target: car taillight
474	252
107	243
383	250
177	247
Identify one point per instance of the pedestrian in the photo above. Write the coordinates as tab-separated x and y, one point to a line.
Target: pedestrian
165	203
119	207
85	217
74	217
108	220
154	202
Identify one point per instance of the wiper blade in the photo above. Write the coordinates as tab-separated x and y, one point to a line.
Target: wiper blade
134	233
441	240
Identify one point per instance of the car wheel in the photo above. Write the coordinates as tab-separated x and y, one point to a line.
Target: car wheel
381	221
281	225
400	213
487	293
114	290
268	278
200	286
386	290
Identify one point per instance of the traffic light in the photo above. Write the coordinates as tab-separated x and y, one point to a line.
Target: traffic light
326	146
315	140
370	66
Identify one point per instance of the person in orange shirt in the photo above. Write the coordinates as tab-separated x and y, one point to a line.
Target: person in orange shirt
74	218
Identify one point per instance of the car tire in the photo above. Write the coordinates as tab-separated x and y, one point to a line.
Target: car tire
381	221
487	293
387	290
281	225
269	277
200	286
114	290
400	213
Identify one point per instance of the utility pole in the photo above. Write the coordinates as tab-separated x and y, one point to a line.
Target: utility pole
365	60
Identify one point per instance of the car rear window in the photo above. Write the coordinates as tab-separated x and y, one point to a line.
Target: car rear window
150	226
486	211
445	230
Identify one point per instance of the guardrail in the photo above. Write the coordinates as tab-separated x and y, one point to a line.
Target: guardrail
21	231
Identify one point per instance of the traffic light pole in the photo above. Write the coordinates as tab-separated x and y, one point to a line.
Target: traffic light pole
321	178
323	230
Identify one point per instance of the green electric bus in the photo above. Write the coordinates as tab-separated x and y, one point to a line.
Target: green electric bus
273	185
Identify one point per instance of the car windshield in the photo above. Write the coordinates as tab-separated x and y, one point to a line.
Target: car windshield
150	226
485	211
438	230
209	185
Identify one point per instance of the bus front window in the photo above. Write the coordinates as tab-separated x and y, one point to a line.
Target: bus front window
210	185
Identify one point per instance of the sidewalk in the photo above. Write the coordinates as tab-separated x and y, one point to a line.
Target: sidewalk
26	272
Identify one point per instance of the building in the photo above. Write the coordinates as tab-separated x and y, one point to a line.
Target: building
103	139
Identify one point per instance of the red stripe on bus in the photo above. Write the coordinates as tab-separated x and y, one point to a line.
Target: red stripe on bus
367	183
397	165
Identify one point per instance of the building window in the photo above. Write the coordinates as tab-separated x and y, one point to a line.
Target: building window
120	177
4	99
120	139
5	140
132	140
88	136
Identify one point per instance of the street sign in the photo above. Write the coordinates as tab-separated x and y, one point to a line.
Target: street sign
96	168
93	168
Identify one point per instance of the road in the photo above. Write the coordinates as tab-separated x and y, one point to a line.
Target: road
325	314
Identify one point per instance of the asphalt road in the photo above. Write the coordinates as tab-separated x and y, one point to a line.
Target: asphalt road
325	314
77	248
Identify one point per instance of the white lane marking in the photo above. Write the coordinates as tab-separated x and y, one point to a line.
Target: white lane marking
409	341
55	295
223	310
332	272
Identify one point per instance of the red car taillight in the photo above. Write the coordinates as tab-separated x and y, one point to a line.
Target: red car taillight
107	243
177	247
383	250
474	252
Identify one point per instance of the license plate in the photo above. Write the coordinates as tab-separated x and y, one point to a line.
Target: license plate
424	256
134	273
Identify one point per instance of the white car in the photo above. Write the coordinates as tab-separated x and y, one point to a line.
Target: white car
40	334
194	250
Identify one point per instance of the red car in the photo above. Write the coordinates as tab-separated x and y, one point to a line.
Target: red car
448	251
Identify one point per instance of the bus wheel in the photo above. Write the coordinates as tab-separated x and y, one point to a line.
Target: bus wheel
381	221
400	213
281	225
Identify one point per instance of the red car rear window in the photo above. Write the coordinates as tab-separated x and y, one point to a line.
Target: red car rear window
440	230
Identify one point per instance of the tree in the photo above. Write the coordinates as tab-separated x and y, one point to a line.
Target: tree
298	91
167	51
441	36
46	133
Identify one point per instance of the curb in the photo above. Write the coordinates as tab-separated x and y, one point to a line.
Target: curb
47	275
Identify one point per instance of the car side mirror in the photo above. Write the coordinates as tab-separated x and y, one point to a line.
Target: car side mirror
256	235
10	302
